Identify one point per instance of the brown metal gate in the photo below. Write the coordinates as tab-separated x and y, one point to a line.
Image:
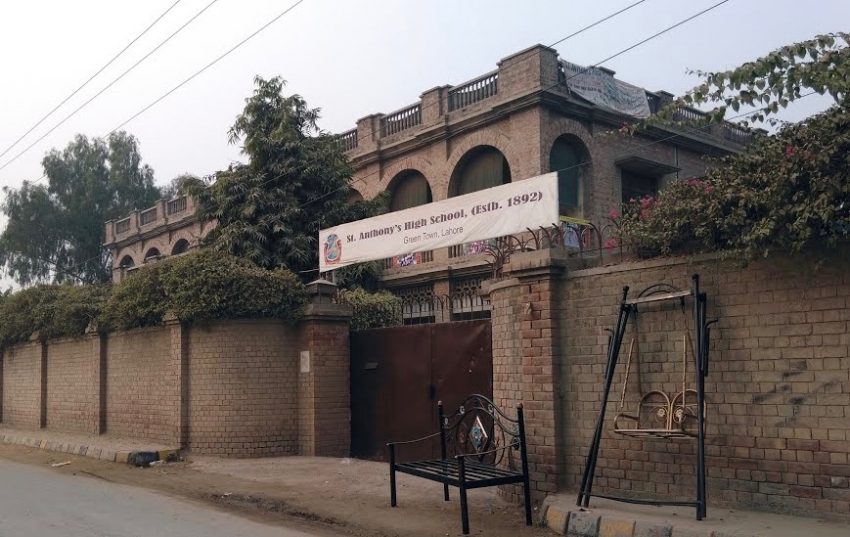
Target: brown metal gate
398	374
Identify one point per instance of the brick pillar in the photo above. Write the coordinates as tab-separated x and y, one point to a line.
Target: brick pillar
43	389
179	373
324	406
368	133
531	69
526	357
99	341
2	381
434	105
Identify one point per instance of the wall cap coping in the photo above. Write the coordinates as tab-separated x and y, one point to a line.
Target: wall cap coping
538	46
488	286
627	266
325	311
537	262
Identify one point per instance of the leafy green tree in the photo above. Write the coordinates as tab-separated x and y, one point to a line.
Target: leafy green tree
296	182
55	231
788	191
177	186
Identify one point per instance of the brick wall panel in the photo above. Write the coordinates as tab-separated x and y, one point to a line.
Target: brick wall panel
72	385
22	386
141	391
243	388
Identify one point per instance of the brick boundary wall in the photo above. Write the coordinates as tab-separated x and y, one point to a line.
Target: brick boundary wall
778	391
233	388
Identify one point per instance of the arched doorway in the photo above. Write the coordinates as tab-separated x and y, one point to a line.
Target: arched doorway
180	247
481	167
570	158
408	189
152	255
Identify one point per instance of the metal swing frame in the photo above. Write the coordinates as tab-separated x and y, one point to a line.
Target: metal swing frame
629	307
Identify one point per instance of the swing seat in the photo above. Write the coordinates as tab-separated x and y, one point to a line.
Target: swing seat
658	416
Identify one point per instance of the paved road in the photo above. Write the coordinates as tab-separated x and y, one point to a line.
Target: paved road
38	502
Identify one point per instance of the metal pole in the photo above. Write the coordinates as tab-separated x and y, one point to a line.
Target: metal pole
392	475
699	322
613	352
440	418
464	512
524	458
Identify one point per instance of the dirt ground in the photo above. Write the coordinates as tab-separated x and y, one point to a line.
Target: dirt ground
339	495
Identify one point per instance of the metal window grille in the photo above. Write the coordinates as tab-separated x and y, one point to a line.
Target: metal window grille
466	300
417	304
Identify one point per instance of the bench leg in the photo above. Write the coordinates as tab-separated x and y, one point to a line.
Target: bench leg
464	513
527	502
445	492
393	502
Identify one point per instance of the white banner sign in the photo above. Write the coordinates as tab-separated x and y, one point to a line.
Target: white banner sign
486	214
602	89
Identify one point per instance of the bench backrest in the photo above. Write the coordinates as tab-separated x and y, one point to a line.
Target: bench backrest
479	427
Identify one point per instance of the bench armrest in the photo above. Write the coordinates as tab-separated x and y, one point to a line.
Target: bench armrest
414	440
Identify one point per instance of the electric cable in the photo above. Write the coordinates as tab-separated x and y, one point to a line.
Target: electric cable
114	81
92	77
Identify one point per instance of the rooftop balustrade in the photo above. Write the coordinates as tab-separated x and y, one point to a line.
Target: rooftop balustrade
537	68
163	213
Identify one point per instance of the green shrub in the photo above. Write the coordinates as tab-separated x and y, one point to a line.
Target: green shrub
212	285
75	308
786	192
137	301
201	286
51	310
677	221
372	310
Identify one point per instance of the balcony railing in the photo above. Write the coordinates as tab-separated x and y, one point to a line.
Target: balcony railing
686	113
348	140
176	206
736	134
147	216
474	91
402	120
122	226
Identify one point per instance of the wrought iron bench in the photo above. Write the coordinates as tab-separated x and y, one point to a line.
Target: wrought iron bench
479	445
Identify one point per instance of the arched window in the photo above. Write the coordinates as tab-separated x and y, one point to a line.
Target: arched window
568	158
180	247
126	263
408	189
153	253
482	167
353	196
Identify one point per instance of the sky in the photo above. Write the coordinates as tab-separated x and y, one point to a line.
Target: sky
350	58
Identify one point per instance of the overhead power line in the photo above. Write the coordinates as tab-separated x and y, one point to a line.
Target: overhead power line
198	72
207	66
92	77
597	23
114	81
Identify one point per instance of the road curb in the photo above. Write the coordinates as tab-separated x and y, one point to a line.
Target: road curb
575	521
135	457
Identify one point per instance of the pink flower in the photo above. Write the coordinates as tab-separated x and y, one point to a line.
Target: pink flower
611	243
646	205
613	214
790	150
